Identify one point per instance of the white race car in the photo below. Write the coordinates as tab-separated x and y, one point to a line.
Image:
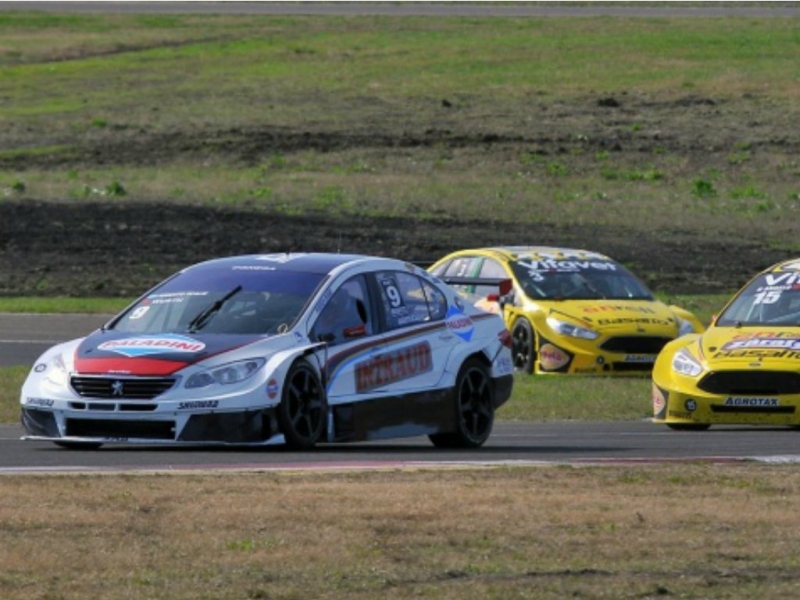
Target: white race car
294	348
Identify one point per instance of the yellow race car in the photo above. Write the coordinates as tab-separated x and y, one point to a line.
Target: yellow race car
745	369
569	310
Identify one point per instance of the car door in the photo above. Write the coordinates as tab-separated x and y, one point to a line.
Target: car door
412	350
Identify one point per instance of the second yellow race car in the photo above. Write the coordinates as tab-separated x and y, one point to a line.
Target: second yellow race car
570	310
745	369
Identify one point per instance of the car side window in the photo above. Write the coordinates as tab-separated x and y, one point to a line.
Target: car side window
463	266
407	299
346	315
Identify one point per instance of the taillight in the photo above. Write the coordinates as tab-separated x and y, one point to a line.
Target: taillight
505	338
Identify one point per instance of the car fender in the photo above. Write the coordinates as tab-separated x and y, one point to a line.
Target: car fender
662	368
688	316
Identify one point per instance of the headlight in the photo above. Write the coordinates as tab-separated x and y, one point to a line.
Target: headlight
226	374
686	364
55	372
571	330
684	327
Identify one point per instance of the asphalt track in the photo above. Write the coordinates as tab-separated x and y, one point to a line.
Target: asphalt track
24	336
522	444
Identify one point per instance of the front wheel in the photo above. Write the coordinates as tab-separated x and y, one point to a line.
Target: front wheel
523	346
303	408
474	405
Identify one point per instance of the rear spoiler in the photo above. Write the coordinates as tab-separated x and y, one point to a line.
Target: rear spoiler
503	284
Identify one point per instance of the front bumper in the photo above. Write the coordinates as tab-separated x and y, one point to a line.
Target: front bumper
254	426
694	407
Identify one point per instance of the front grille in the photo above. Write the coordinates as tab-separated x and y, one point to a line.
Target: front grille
632	344
121	388
751	383
118	429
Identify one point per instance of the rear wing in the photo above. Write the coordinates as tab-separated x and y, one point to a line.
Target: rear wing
504	287
503	284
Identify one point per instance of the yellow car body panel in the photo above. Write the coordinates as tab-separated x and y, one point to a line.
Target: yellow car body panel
572	311
745	369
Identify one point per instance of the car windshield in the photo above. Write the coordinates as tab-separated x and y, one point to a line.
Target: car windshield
574	279
770	299
222	299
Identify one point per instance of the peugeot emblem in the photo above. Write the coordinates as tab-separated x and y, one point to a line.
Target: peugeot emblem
117	388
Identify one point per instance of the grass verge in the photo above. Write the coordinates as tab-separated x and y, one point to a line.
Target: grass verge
688	531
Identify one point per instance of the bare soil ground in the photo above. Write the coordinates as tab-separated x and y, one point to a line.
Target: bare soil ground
122	246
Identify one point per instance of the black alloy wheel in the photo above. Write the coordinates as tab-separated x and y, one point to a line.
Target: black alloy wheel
522	346
302	411
474	405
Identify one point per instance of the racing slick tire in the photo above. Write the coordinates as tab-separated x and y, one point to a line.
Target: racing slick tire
523	345
688	426
303	408
473	401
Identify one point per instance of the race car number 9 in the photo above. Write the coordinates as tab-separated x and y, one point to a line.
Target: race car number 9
392	293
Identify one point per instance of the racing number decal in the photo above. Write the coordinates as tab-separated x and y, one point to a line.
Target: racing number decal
392	292
769	297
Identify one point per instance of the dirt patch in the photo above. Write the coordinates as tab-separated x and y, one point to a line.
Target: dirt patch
117	248
122	246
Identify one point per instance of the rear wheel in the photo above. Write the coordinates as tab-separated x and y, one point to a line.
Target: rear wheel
474	405
302	410
522	348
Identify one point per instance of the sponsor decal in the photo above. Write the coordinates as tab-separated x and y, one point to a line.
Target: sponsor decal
552	357
783	279
618	307
272	388
43	402
763	342
156	344
391	367
460	324
744	401
758	353
194	404
280	258
679	414
659	402
639	358
562	253
503	366
634	320
173	297
568	265
39	368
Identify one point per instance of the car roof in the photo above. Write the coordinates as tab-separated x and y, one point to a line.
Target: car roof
538	252
314	262
791	264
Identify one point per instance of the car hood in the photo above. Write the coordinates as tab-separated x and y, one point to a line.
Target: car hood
735	347
107	351
637	317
